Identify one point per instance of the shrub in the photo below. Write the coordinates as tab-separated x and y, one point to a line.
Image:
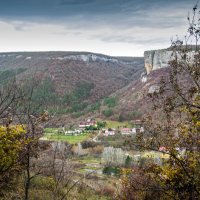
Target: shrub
108	191
107	113
43	182
101	125
121	118
109	170
96	150
92	128
88	144
128	161
110	101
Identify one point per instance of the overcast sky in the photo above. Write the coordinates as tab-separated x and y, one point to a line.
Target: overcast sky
113	27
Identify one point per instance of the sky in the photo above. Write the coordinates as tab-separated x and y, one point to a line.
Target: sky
112	27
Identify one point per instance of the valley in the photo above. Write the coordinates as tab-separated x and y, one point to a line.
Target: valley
90	121
99	100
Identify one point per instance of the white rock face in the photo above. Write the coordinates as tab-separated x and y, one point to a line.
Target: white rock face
88	57
153	89
19	56
144	79
157	59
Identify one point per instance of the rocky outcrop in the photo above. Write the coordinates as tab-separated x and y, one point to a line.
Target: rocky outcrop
88	57
157	59
154	89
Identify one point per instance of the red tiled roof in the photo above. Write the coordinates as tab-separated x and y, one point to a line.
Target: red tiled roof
126	129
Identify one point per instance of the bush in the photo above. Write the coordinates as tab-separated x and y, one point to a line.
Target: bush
96	150
88	144
43	182
109	170
107	113
110	101
92	128
128	161
108	191
121	118
101	125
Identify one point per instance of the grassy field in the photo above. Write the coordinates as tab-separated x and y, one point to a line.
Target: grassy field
51	130
52	134
70	139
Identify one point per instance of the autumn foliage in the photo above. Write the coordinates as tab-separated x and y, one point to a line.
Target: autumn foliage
173	131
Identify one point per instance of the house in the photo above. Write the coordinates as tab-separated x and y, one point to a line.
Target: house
137	123
110	132
87	123
134	131
163	149
83	124
138	128
126	131
90	120
73	132
142	130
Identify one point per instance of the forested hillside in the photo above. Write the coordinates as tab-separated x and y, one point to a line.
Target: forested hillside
72	83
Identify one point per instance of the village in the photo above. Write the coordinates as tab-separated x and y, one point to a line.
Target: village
92	125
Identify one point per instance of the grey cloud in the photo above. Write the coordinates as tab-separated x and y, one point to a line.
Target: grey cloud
67	33
18	25
64	8
78	16
76	2
94	21
129	39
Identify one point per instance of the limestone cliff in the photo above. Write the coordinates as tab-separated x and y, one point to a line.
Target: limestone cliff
157	59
